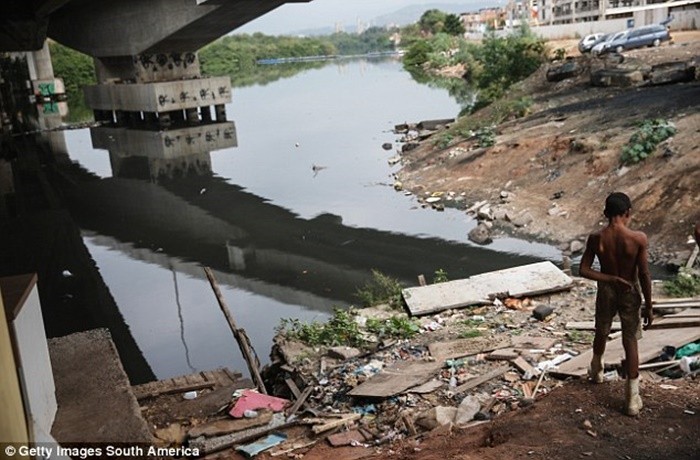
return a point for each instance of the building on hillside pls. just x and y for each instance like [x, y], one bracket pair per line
[575, 11]
[483, 20]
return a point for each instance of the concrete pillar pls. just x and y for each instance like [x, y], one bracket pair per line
[205, 113]
[39, 64]
[220, 112]
[192, 115]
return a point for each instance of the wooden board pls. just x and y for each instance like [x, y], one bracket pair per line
[525, 280]
[465, 347]
[199, 380]
[666, 306]
[650, 347]
[397, 378]
[590, 325]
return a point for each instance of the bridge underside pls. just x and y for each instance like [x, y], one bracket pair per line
[110, 28]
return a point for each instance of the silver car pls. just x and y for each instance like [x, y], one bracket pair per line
[633, 38]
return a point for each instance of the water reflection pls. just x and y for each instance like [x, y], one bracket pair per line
[282, 243]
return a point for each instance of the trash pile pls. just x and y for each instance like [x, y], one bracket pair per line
[463, 368]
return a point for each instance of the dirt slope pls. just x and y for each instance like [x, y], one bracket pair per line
[569, 146]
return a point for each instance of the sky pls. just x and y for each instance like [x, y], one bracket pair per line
[293, 17]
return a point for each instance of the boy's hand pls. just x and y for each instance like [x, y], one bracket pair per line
[648, 317]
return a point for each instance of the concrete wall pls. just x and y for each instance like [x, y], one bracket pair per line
[13, 425]
[27, 329]
[580, 29]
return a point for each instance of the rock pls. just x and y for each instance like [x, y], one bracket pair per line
[576, 246]
[521, 219]
[409, 146]
[467, 410]
[541, 312]
[672, 72]
[561, 72]
[553, 211]
[617, 77]
[480, 234]
[387, 146]
[398, 186]
[437, 416]
[343, 352]
[484, 213]
[500, 214]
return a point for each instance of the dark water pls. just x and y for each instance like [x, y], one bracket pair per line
[285, 239]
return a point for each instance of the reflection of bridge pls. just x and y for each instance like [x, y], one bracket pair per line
[197, 217]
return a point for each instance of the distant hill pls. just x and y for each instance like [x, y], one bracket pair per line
[411, 14]
[406, 15]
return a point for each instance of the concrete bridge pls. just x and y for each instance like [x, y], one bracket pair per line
[117, 28]
[145, 53]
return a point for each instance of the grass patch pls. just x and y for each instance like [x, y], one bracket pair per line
[340, 329]
[399, 327]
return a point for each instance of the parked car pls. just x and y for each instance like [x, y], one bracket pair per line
[604, 45]
[634, 38]
[589, 41]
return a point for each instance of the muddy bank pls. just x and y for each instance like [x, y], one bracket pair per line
[547, 173]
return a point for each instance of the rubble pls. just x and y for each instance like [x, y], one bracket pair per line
[392, 389]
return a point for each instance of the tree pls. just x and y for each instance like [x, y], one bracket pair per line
[453, 25]
[432, 21]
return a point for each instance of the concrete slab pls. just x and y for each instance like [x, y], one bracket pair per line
[525, 280]
[95, 401]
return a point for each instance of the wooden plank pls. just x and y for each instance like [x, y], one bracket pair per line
[505, 354]
[533, 342]
[220, 427]
[687, 313]
[397, 378]
[251, 358]
[300, 401]
[666, 306]
[675, 300]
[693, 256]
[650, 347]
[475, 382]
[182, 384]
[672, 323]
[526, 280]
[465, 347]
[525, 367]
[335, 423]
[590, 325]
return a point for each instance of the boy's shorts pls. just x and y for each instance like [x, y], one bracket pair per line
[612, 300]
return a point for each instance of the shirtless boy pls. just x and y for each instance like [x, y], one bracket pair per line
[622, 254]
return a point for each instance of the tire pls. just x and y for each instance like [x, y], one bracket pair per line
[656, 42]
[619, 49]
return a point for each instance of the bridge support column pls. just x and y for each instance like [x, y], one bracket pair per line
[157, 114]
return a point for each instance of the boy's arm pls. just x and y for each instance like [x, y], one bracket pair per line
[645, 279]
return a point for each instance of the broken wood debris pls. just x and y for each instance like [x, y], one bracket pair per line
[251, 358]
[481, 379]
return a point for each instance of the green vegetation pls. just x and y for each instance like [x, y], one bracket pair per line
[238, 55]
[684, 284]
[435, 21]
[580, 336]
[491, 67]
[77, 70]
[381, 289]
[400, 327]
[644, 141]
[440, 276]
[343, 329]
[340, 329]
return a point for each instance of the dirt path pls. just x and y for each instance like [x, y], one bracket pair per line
[560, 161]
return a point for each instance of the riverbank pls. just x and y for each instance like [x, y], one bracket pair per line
[554, 166]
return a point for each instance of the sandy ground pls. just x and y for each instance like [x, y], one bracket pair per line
[561, 160]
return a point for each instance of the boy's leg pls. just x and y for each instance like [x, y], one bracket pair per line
[604, 313]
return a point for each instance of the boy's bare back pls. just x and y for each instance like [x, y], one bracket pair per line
[620, 251]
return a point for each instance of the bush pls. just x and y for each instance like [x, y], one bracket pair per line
[340, 329]
[644, 141]
[399, 327]
[382, 289]
[684, 284]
